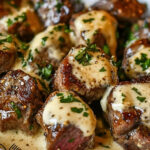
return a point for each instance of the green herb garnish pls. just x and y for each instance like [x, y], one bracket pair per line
[141, 99]
[9, 22]
[16, 109]
[61, 39]
[85, 114]
[102, 69]
[88, 20]
[144, 62]
[76, 110]
[24, 46]
[46, 72]
[71, 140]
[106, 49]
[30, 57]
[136, 90]
[68, 99]
[124, 96]
[59, 6]
[44, 39]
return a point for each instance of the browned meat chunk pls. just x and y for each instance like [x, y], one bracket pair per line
[7, 52]
[53, 11]
[19, 101]
[130, 10]
[26, 25]
[96, 26]
[86, 71]
[136, 55]
[128, 114]
[68, 122]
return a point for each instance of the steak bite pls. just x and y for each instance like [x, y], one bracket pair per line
[86, 71]
[25, 24]
[124, 10]
[53, 11]
[7, 52]
[97, 26]
[68, 122]
[128, 114]
[20, 100]
[137, 54]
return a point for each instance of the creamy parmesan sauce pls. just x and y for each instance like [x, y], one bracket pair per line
[104, 100]
[101, 21]
[126, 96]
[135, 68]
[91, 74]
[56, 112]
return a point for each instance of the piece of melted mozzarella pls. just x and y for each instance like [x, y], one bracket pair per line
[133, 68]
[135, 95]
[99, 73]
[90, 23]
[47, 47]
[67, 108]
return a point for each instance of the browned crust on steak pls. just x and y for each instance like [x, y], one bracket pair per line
[59, 135]
[19, 89]
[130, 10]
[65, 80]
[126, 127]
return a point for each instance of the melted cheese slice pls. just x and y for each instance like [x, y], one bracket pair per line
[129, 95]
[102, 21]
[91, 75]
[133, 68]
[56, 112]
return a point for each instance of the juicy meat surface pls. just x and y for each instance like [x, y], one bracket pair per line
[127, 114]
[64, 135]
[20, 100]
[130, 10]
[88, 80]
[54, 11]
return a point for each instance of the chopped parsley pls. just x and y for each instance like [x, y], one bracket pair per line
[68, 99]
[102, 69]
[71, 140]
[30, 57]
[141, 99]
[59, 6]
[136, 27]
[144, 62]
[124, 96]
[12, 3]
[46, 72]
[31, 127]
[130, 38]
[76, 110]
[16, 109]
[7, 39]
[9, 22]
[24, 46]
[83, 57]
[61, 39]
[88, 20]
[44, 39]
[38, 5]
[20, 55]
[58, 28]
[136, 90]
[103, 18]
[85, 114]
[106, 49]
[19, 18]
